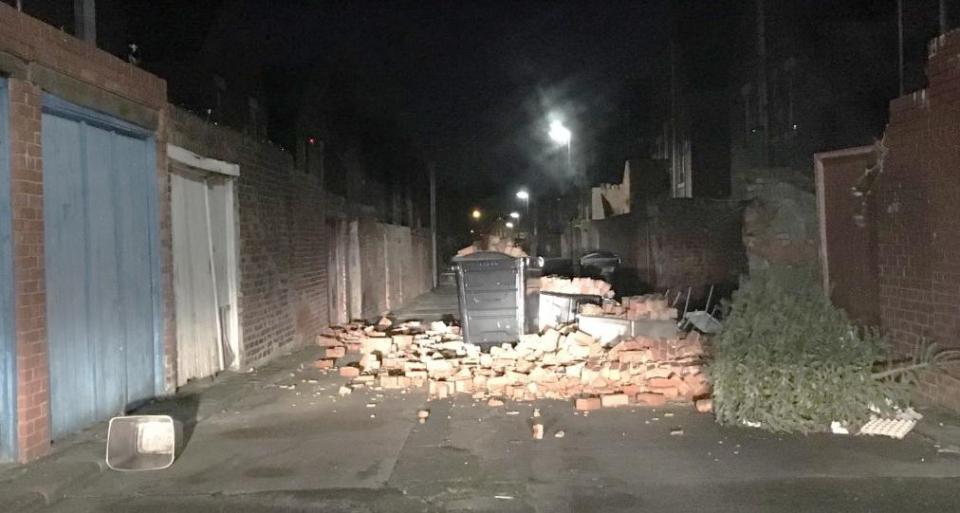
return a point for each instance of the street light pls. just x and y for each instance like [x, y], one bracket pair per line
[523, 194]
[514, 215]
[559, 133]
[508, 224]
[476, 214]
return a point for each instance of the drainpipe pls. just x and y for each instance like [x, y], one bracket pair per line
[900, 43]
[85, 16]
[943, 17]
[433, 221]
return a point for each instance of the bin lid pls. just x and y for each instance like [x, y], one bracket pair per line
[600, 256]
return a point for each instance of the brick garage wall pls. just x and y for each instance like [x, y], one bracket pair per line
[283, 266]
[396, 265]
[39, 58]
[372, 268]
[421, 279]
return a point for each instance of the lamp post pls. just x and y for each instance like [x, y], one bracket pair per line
[562, 135]
[524, 196]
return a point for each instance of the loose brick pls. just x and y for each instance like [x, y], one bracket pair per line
[614, 400]
[651, 399]
[664, 382]
[335, 352]
[588, 403]
[704, 405]
[323, 364]
[349, 371]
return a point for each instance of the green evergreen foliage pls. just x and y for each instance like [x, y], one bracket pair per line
[793, 362]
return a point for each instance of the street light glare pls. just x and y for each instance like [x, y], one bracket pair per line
[523, 194]
[559, 133]
[476, 214]
[514, 215]
[509, 225]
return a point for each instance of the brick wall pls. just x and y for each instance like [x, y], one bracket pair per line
[283, 296]
[915, 214]
[676, 244]
[697, 243]
[33, 41]
[33, 391]
[918, 229]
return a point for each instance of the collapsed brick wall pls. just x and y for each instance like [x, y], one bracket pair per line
[283, 279]
[913, 212]
[918, 230]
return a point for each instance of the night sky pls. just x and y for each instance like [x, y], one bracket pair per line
[472, 84]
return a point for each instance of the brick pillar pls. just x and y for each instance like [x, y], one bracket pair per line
[33, 379]
[166, 258]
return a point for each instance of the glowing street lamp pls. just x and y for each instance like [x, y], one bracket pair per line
[559, 133]
[514, 215]
[508, 224]
[476, 214]
[523, 194]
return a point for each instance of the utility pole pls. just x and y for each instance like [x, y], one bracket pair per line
[672, 142]
[762, 85]
[85, 18]
[433, 220]
[900, 44]
[943, 17]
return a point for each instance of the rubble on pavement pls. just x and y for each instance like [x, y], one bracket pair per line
[563, 363]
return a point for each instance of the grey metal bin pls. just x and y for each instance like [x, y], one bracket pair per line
[490, 289]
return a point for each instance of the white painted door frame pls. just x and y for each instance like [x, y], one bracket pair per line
[232, 322]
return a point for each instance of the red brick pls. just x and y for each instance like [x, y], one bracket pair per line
[324, 364]
[651, 399]
[335, 352]
[349, 372]
[664, 382]
[588, 403]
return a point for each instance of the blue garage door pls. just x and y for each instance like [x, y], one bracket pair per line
[101, 268]
[8, 347]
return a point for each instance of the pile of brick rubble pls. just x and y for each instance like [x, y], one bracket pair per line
[646, 307]
[562, 363]
[579, 286]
